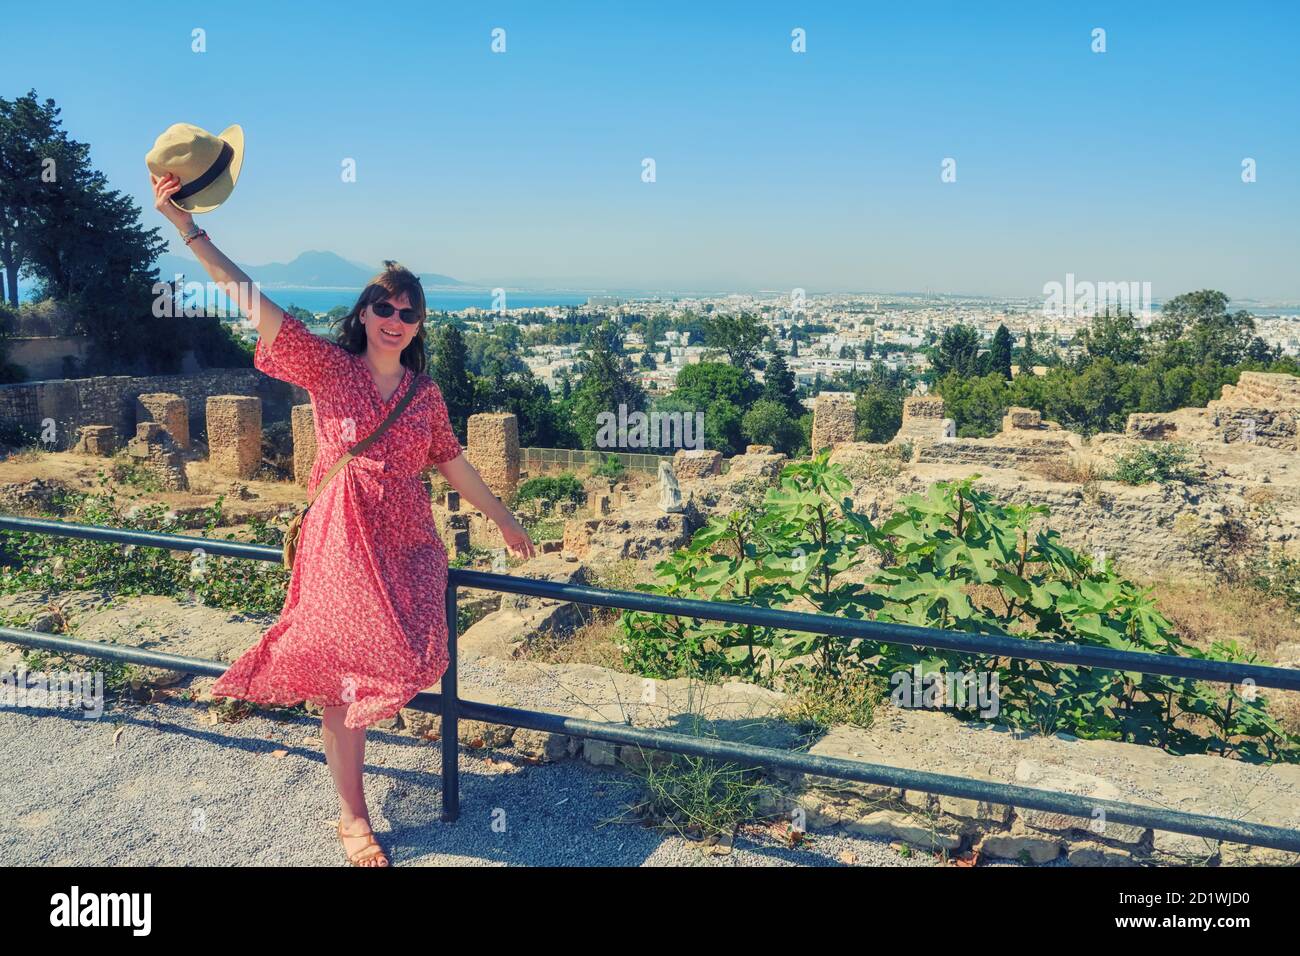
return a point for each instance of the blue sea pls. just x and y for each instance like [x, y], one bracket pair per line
[438, 300]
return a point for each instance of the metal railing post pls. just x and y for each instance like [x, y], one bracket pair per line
[450, 706]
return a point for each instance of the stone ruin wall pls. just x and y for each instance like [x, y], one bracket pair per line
[1153, 528]
[1263, 408]
[112, 400]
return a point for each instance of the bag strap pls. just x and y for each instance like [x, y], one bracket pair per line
[365, 443]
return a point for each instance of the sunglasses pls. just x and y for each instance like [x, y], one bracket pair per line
[385, 309]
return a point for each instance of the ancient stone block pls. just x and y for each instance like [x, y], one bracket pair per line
[1271, 428]
[1011, 846]
[992, 452]
[577, 534]
[168, 410]
[922, 407]
[1275, 390]
[689, 464]
[1017, 418]
[153, 448]
[493, 450]
[1149, 427]
[923, 420]
[835, 419]
[97, 440]
[235, 434]
[899, 826]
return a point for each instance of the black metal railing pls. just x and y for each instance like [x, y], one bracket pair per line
[452, 708]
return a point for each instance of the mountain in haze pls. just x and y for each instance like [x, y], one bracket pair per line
[310, 270]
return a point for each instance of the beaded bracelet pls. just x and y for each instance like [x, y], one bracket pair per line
[201, 232]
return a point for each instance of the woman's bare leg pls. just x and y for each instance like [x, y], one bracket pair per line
[345, 752]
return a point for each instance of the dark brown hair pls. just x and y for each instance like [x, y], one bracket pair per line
[389, 284]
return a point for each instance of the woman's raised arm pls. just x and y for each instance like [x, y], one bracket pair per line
[263, 314]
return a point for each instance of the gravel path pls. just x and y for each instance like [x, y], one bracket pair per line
[158, 784]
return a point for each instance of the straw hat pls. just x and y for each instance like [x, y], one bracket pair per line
[206, 165]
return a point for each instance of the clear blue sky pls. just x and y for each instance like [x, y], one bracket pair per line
[774, 169]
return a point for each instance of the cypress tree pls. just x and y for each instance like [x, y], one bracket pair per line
[447, 367]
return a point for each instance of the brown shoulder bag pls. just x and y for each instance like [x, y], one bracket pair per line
[291, 533]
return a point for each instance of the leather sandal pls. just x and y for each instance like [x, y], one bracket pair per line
[366, 852]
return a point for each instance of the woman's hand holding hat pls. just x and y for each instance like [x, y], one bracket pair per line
[163, 188]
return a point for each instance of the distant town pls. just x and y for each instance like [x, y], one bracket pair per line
[837, 333]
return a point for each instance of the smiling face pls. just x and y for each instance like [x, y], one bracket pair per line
[383, 334]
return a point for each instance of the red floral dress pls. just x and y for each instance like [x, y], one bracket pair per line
[364, 622]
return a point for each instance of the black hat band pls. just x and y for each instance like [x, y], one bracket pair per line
[219, 166]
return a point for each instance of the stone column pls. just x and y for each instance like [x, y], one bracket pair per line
[835, 419]
[493, 450]
[235, 434]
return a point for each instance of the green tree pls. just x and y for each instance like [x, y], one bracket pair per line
[722, 427]
[739, 337]
[81, 241]
[29, 135]
[770, 423]
[448, 367]
[1000, 352]
[1117, 337]
[1209, 332]
[607, 382]
[957, 351]
[1027, 356]
[879, 413]
[703, 383]
[541, 424]
[778, 384]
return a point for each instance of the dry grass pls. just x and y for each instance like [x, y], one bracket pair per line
[26, 456]
[1204, 613]
[592, 643]
[1074, 469]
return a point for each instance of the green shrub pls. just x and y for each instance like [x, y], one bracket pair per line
[563, 487]
[1160, 462]
[955, 559]
[611, 467]
[1278, 576]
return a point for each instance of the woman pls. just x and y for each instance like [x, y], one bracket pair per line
[363, 627]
